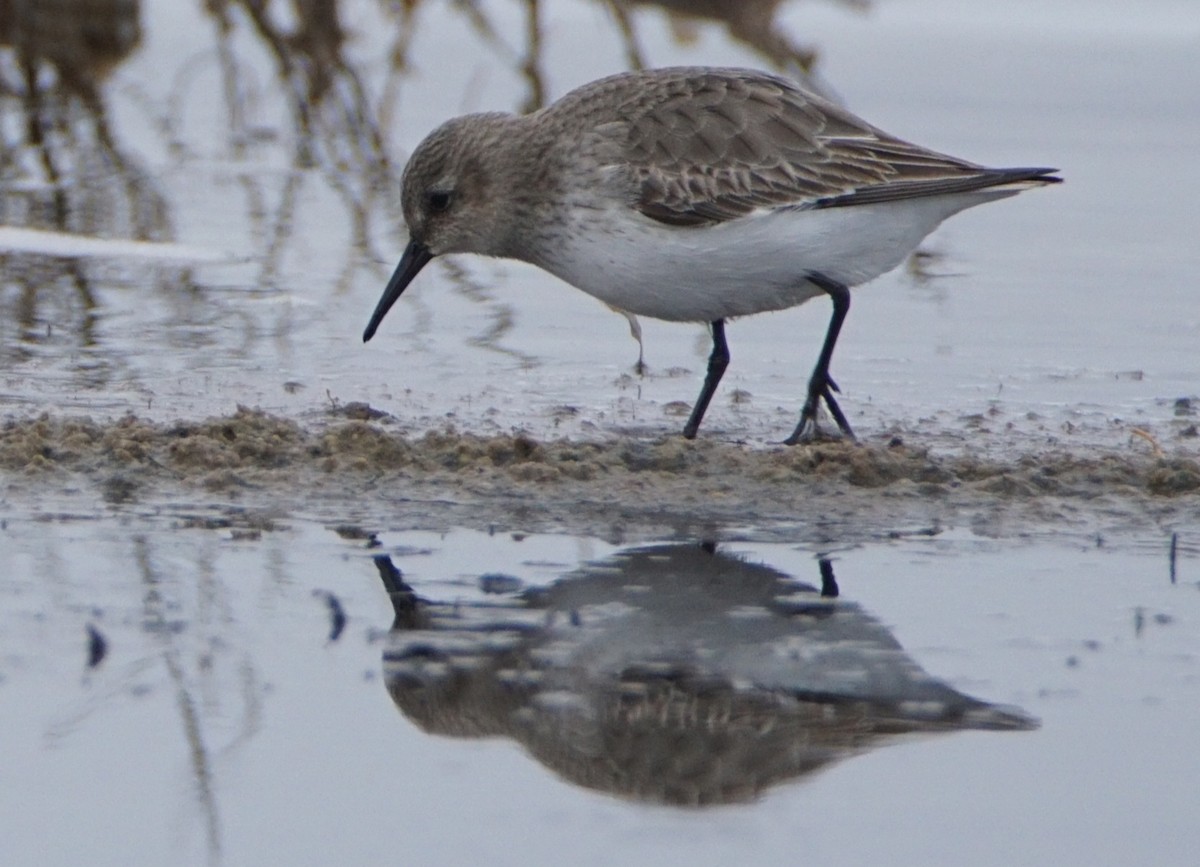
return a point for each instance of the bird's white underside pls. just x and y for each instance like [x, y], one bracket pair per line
[749, 265]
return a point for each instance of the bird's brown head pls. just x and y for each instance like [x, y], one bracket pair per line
[450, 197]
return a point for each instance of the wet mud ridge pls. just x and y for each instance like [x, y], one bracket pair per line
[357, 466]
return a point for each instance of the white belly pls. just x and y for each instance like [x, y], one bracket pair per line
[744, 266]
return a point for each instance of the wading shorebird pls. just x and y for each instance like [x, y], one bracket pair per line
[690, 194]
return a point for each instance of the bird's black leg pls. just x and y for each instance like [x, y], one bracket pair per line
[821, 386]
[717, 362]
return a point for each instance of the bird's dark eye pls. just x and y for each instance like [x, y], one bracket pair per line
[438, 201]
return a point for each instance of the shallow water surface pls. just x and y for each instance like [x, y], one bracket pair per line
[224, 721]
[266, 223]
[462, 595]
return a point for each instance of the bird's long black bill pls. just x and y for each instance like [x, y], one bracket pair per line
[416, 256]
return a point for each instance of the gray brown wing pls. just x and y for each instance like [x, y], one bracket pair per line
[708, 146]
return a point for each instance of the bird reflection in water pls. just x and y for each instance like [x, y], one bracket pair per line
[673, 674]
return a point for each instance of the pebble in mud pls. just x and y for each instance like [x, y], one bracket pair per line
[500, 583]
[337, 614]
[97, 646]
